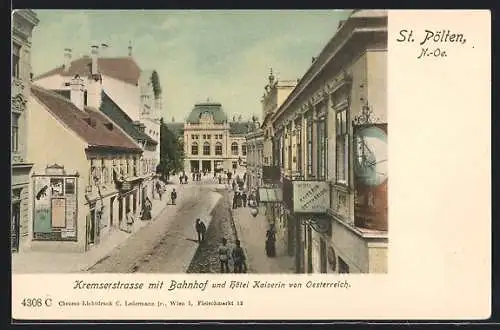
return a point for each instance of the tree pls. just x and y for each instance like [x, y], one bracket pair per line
[171, 151]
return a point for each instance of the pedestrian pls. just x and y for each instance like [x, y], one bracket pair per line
[185, 179]
[194, 175]
[233, 184]
[235, 200]
[239, 258]
[180, 179]
[158, 188]
[220, 179]
[173, 196]
[244, 199]
[223, 252]
[129, 221]
[201, 229]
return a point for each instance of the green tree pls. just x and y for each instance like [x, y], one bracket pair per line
[171, 151]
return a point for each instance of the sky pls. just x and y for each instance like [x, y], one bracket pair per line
[224, 56]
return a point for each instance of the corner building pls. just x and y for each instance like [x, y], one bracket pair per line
[330, 127]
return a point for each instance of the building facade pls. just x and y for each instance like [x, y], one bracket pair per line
[23, 23]
[134, 92]
[255, 152]
[84, 175]
[331, 146]
[213, 143]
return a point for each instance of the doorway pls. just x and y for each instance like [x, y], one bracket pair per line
[16, 221]
[195, 165]
[206, 165]
[111, 207]
[134, 203]
[309, 250]
[91, 228]
[120, 210]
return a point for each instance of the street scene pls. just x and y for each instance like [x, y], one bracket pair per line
[199, 141]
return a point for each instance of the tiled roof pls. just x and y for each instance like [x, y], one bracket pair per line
[176, 128]
[91, 125]
[120, 68]
[120, 118]
[239, 128]
[215, 109]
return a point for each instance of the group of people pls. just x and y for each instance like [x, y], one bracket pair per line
[183, 178]
[236, 254]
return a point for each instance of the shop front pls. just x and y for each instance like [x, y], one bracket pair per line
[311, 227]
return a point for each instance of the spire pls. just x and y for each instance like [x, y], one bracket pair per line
[130, 48]
[271, 77]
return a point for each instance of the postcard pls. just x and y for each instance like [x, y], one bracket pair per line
[250, 164]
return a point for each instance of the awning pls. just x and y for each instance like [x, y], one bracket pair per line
[270, 195]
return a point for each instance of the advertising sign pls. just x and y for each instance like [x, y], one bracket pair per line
[42, 221]
[311, 196]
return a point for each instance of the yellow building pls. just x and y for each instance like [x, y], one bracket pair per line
[23, 22]
[331, 136]
[212, 142]
[85, 173]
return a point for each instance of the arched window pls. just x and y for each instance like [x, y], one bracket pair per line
[194, 148]
[218, 149]
[244, 149]
[206, 149]
[234, 149]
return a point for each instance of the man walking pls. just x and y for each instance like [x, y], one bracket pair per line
[130, 221]
[173, 196]
[239, 258]
[223, 252]
[201, 229]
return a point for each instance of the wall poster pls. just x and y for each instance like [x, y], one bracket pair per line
[55, 206]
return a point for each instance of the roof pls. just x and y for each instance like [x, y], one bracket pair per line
[91, 125]
[239, 128]
[120, 68]
[176, 128]
[215, 109]
[120, 118]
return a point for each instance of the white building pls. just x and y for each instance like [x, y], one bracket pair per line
[212, 142]
[135, 92]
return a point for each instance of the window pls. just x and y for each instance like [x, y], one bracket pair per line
[322, 148]
[135, 166]
[16, 50]
[342, 147]
[206, 149]
[204, 136]
[234, 149]
[194, 148]
[192, 136]
[309, 137]
[15, 132]
[244, 149]
[127, 167]
[282, 150]
[104, 178]
[220, 136]
[218, 149]
[298, 139]
[209, 137]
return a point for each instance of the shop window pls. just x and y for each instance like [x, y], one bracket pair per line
[244, 149]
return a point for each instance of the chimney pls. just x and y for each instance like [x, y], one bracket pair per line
[94, 54]
[77, 92]
[67, 59]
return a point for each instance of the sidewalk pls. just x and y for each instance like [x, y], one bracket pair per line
[64, 262]
[252, 234]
